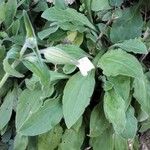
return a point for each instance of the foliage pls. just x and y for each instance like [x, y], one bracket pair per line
[74, 75]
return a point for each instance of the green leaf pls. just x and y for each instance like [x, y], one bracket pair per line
[78, 87]
[29, 28]
[40, 70]
[60, 4]
[12, 54]
[45, 33]
[51, 139]
[87, 4]
[57, 76]
[15, 27]
[69, 15]
[44, 119]
[121, 85]
[131, 125]
[105, 141]
[20, 142]
[68, 69]
[72, 140]
[120, 143]
[28, 103]
[73, 50]
[2, 52]
[41, 6]
[98, 122]
[118, 62]
[145, 125]
[2, 11]
[129, 26]
[10, 70]
[6, 108]
[141, 93]
[114, 108]
[116, 2]
[98, 5]
[133, 45]
[10, 12]
[72, 26]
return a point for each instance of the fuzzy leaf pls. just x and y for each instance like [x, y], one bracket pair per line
[51, 139]
[69, 15]
[44, 119]
[6, 109]
[76, 98]
[133, 45]
[118, 62]
[72, 140]
[114, 108]
[105, 141]
[98, 122]
[129, 26]
[97, 5]
[131, 125]
[141, 93]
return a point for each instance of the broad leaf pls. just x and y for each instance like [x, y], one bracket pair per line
[2, 11]
[120, 143]
[104, 141]
[51, 139]
[76, 98]
[118, 62]
[73, 50]
[131, 125]
[115, 2]
[129, 26]
[10, 12]
[44, 119]
[12, 54]
[121, 85]
[114, 108]
[141, 93]
[145, 125]
[28, 103]
[10, 69]
[69, 15]
[97, 5]
[133, 45]
[6, 108]
[98, 122]
[39, 69]
[45, 33]
[20, 142]
[72, 140]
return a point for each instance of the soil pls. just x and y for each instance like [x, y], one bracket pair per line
[145, 140]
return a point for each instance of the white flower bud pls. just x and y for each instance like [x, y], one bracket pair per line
[85, 66]
[58, 56]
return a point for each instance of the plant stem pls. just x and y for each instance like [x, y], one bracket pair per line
[4, 79]
[13, 65]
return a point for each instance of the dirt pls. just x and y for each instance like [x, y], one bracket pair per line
[145, 140]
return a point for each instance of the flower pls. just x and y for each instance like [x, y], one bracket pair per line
[85, 66]
[58, 56]
[66, 1]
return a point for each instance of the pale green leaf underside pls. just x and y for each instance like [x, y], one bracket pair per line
[133, 45]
